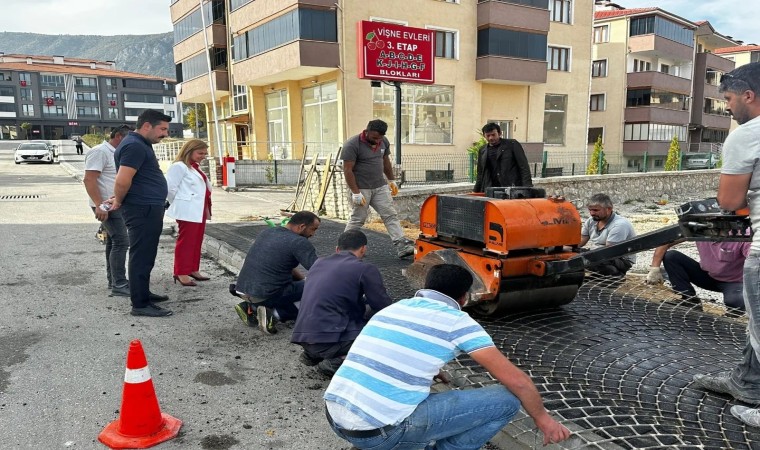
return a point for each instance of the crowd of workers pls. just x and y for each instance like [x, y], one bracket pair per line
[383, 356]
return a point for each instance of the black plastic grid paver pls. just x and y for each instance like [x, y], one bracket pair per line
[615, 367]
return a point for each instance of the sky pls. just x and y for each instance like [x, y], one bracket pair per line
[728, 17]
[98, 17]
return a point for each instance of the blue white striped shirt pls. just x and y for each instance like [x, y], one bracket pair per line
[391, 365]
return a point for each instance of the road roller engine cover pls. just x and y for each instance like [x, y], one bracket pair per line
[522, 248]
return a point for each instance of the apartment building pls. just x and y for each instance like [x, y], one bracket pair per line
[60, 96]
[283, 73]
[655, 75]
[740, 54]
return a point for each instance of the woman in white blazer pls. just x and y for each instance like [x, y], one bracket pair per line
[190, 204]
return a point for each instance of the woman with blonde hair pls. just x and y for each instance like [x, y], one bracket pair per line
[190, 204]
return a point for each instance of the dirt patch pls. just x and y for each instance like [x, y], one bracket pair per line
[411, 230]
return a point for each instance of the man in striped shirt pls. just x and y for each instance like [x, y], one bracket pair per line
[380, 397]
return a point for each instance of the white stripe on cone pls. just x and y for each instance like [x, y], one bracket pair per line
[136, 376]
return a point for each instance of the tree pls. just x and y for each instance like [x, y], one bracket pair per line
[193, 114]
[472, 150]
[26, 126]
[593, 165]
[674, 155]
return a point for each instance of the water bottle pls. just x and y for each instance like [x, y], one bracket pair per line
[105, 206]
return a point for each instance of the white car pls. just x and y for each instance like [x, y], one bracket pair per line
[33, 152]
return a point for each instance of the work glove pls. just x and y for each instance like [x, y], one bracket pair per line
[654, 276]
[394, 188]
[358, 199]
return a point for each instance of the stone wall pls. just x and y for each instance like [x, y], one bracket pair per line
[620, 187]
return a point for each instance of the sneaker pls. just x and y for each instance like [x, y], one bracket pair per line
[328, 367]
[151, 310]
[405, 249]
[246, 314]
[157, 297]
[120, 291]
[721, 383]
[749, 416]
[266, 319]
[308, 360]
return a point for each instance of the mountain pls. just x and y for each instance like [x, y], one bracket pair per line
[149, 54]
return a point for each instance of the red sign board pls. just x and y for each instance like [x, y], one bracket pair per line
[395, 52]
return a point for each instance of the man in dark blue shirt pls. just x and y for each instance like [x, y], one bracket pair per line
[140, 192]
[339, 290]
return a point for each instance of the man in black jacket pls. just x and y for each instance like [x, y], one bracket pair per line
[501, 162]
[334, 304]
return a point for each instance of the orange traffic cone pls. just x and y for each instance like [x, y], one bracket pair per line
[141, 424]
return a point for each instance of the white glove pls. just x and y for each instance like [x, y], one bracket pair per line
[654, 276]
[394, 188]
[358, 199]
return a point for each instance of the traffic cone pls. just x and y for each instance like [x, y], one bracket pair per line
[141, 424]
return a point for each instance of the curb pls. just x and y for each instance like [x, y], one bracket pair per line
[223, 253]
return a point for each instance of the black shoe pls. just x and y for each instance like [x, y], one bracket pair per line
[308, 360]
[246, 314]
[328, 367]
[157, 297]
[266, 319]
[120, 292]
[151, 310]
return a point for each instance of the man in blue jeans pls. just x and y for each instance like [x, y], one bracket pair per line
[140, 193]
[269, 280]
[380, 396]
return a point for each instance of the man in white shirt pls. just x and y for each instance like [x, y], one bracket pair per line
[99, 176]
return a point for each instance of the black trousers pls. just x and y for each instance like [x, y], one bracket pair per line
[144, 225]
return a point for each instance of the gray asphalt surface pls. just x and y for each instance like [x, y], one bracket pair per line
[63, 340]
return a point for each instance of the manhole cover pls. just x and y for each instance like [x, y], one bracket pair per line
[20, 197]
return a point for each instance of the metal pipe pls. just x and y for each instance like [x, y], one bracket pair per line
[211, 88]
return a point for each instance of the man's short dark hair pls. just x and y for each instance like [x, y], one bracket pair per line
[352, 240]
[121, 131]
[602, 200]
[152, 117]
[490, 126]
[377, 125]
[303, 218]
[743, 78]
[449, 279]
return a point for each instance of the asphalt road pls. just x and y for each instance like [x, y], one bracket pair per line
[63, 340]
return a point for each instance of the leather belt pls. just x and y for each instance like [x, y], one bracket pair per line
[359, 433]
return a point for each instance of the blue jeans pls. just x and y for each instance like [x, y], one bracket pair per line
[284, 302]
[117, 244]
[747, 374]
[452, 420]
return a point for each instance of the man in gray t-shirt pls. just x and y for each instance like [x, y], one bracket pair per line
[366, 165]
[739, 187]
[606, 227]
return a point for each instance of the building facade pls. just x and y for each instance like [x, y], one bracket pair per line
[283, 74]
[655, 75]
[59, 97]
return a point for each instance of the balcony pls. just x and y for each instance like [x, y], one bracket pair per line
[658, 80]
[652, 148]
[655, 114]
[217, 37]
[715, 62]
[197, 89]
[261, 10]
[711, 120]
[505, 70]
[657, 46]
[293, 61]
[512, 15]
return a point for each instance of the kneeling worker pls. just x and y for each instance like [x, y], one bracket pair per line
[380, 396]
[334, 304]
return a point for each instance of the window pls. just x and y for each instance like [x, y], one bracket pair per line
[113, 113]
[240, 98]
[112, 96]
[27, 110]
[594, 134]
[235, 4]
[171, 114]
[25, 77]
[601, 34]
[7, 91]
[55, 110]
[658, 98]
[55, 95]
[320, 117]
[426, 112]
[653, 132]
[597, 102]
[194, 67]
[714, 135]
[712, 77]
[51, 80]
[664, 68]
[218, 58]
[82, 81]
[87, 96]
[510, 43]
[169, 100]
[754, 57]
[143, 98]
[714, 106]
[5, 76]
[192, 23]
[662, 27]
[642, 25]
[559, 10]
[558, 58]
[278, 114]
[111, 83]
[599, 68]
[133, 111]
[26, 94]
[640, 65]
[89, 111]
[505, 125]
[8, 107]
[446, 44]
[554, 119]
[144, 84]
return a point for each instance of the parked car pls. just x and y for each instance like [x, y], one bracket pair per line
[33, 152]
[702, 161]
[52, 147]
